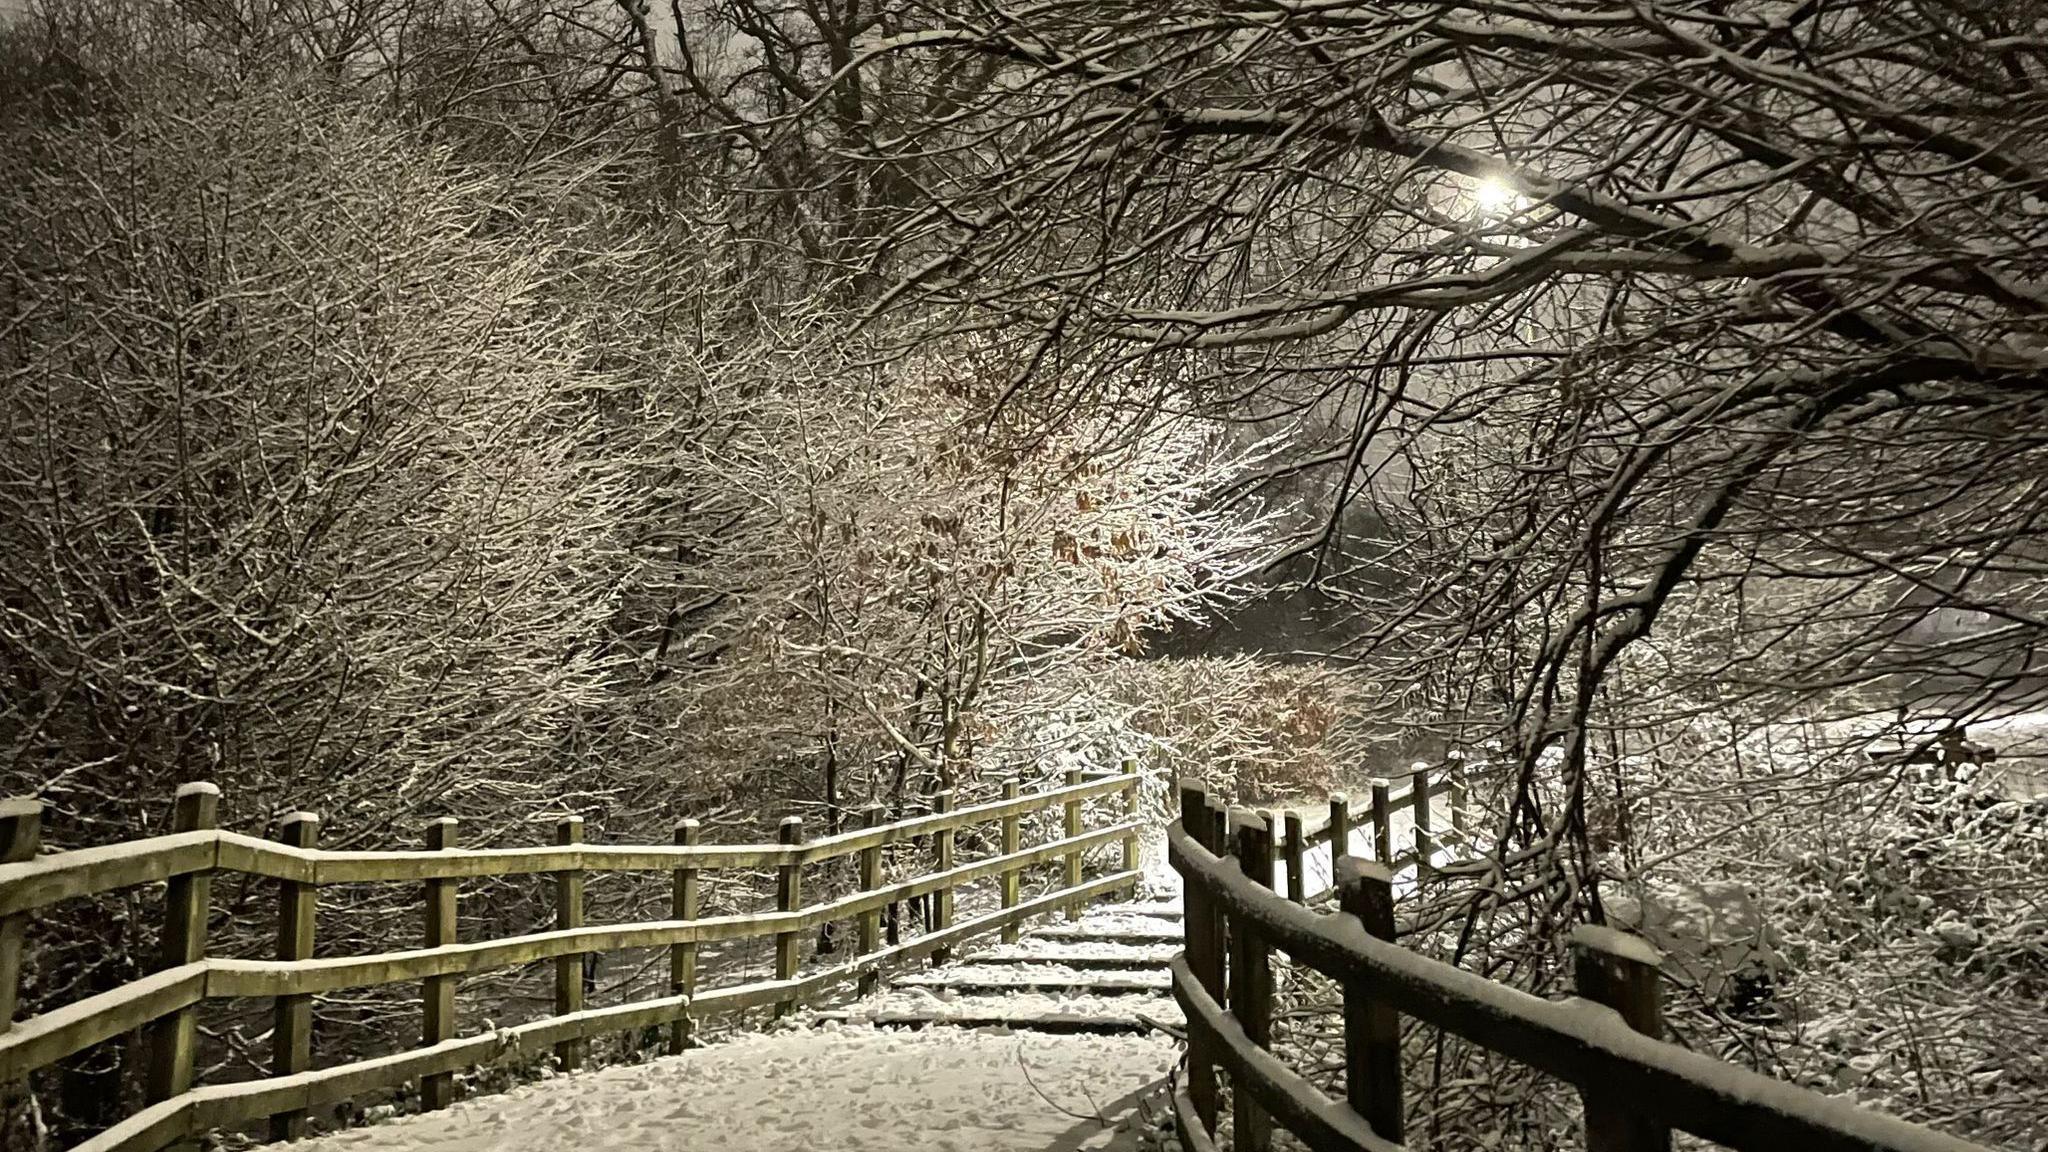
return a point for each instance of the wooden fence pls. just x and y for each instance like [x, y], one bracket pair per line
[1635, 1088]
[164, 1005]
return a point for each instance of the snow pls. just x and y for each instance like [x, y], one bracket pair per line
[851, 1089]
[1034, 975]
[1708, 929]
[1120, 926]
[903, 1004]
[1079, 952]
[1154, 909]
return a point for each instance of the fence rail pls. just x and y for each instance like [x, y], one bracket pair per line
[163, 1005]
[1606, 1041]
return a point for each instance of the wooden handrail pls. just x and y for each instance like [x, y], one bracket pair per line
[41, 1040]
[221, 1105]
[1316, 829]
[1578, 1041]
[174, 993]
[46, 880]
[1286, 1095]
[848, 843]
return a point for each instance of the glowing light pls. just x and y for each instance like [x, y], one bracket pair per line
[1493, 196]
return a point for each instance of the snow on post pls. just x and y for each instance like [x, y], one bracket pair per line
[437, 993]
[1073, 857]
[569, 969]
[1372, 1026]
[1419, 788]
[1251, 979]
[1383, 821]
[291, 1034]
[942, 900]
[682, 958]
[172, 1039]
[868, 933]
[1340, 827]
[1296, 846]
[1130, 768]
[1012, 841]
[1204, 948]
[1620, 971]
[789, 881]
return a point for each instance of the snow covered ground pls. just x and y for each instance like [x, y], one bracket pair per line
[846, 1089]
[1042, 974]
[1038, 1007]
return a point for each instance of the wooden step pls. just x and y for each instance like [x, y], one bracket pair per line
[1113, 933]
[1013, 1022]
[1012, 1009]
[1038, 978]
[1155, 909]
[1021, 1010]
[1082, 954]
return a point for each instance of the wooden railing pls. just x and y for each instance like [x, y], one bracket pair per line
[164, 1004]
[1412, 796]
[1606, 1042]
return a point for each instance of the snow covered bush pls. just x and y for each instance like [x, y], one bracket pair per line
[1255, 730]
[1915, 957]
[896, 599]
[301, 492]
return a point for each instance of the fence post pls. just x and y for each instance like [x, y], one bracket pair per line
[1418, 800]
[1012, 843]
[569, 968]
[1455, 825]
[1340, 830]
[942, 900]
[21, 837]
[1203, 950]
[1073, 858]
[868, 936]
[1251, 982]
[682, 958]
[1372, 1028]
[172, 1040]
[1220, 841]
[1620, 971]
[1131, 817]
[437, 993]
[789, 896]
[1382, 822]
[291, 1034]
[1296, 847]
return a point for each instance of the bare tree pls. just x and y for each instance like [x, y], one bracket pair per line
[1607, 314]
[1673, 374]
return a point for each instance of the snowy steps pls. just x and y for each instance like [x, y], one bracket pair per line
[1040, 977]
[1149, 923]
[1089, 954]
[1014, 1011]
[1110, 936]
[840, 1089]
[1104, 973]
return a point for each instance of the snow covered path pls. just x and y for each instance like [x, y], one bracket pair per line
[847, 1089]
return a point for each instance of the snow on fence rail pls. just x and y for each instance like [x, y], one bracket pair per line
[1606, 1041]
[164, 1004]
